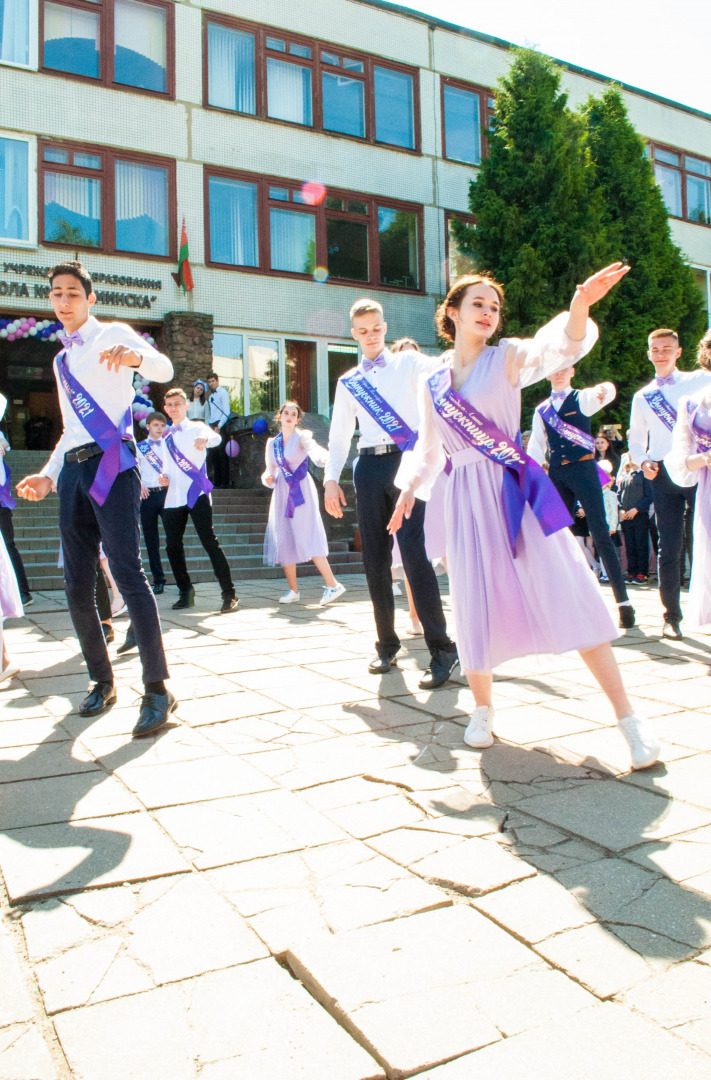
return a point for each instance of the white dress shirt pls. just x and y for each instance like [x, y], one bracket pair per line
[218, 406]
[111, 390]
[197, 410]
[185, 435]
[589, 404]
[149, 477]
[397, 382]
[649, 439]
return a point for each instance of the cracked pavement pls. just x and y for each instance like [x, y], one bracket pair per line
[309, 875]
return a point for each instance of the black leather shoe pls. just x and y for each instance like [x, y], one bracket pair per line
[186, 599]
[155, 711]
[626, 616]
[100, 698]
[381, 665]
[129, 642]
[442, 664]
[672, 630]
[229, 603]
[159, 589]
[108, 632]
[26, 599]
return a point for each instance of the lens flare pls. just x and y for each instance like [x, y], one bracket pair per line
[313, 193]
[321, 275]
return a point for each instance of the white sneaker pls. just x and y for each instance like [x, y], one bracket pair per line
[289, 597]
[397, 591]
[9, 671]
[478, 734]
[332, 593]
[643, 743]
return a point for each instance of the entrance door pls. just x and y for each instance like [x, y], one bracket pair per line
[301, 374]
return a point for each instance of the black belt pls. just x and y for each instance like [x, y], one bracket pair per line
[384, 448]
[585, 457]
[90, 450]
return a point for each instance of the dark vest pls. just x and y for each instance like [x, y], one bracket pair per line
[562, 450]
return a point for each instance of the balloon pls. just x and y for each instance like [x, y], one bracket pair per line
[24, 326]
[259, 426]
[32, 331]
[10, 337]
[142, 423]
[232, 448]
[32, 321]
[3, 333]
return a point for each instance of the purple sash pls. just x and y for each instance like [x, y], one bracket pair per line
[200, 485]
[151, 456]
[568, 431]
[661, 408]
[293, 479]
[117, 456]
[377, 407]
[6, 498]
[524, 480]
[703, 438]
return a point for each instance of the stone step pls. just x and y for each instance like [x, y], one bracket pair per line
[202, 573]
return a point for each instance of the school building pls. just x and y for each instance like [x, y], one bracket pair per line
[316, 151]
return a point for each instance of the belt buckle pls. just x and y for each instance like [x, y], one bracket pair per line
[84, 454]
[382, 448]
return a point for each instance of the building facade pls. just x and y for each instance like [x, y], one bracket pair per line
[316, 153]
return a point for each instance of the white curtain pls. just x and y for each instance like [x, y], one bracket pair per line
[141, 28]
[14, 224]
[15, 31]
[230, 69]
[64, 22]
[293, 241]
[288, 91]
[72, 209]
[233, 222]
[141, 208]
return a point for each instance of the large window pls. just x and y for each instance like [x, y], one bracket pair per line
[92, 197]
[16, 198]
[272, 74]
[282, 227]
[466, 115]
[685, 182]
[17, 43]
[127, 43]
[458, 263]
[702, 277]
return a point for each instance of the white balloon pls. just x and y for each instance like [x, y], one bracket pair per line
[3, 333]
[52, 337]
[32, 331]
[143, 424]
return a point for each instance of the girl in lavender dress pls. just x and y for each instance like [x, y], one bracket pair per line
[689, 463]
[10, 608]
[295, 532]
[515, 588]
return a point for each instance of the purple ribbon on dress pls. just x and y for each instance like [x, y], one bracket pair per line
[6, 498]
[150, 455]
[568, 431]
[661, 408]
[292, 477]
[703, 438]
[524, 480]
[200, 485]
[117, 457]
[377, 407]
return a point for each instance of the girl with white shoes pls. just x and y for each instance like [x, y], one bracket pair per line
[519, 582]
[295, 532]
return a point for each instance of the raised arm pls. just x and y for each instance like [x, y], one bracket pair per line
[318, 454]
[683, 462]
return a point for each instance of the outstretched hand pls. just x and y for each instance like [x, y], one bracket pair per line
[34, 488]
[599, 284]
[403, 509]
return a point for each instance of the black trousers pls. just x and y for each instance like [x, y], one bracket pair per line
[8, 535]
[151, 511]
[636, 534]
[670, 503]
[220, 464]
[103, 600]
[175, 521]
[373, 477]
[82, 525]
[580, 481]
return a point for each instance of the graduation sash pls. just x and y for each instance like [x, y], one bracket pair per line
[377, 407]
[568, 431]
[703, 438]
[661, 408]
[199, 483]
[150, 455]
[6, 498]
[293, 478]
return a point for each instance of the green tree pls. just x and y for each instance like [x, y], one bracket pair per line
[660, 289]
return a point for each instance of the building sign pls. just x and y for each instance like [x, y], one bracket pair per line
[108, 298]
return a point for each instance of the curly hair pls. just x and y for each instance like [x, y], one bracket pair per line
[444, 324]
[703, 353]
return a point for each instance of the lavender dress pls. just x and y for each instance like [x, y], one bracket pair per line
[301, 537]
[684, 443]
[435, 540]
[10, 603]
[546, 600]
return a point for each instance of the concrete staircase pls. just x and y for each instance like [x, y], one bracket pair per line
[240, 521]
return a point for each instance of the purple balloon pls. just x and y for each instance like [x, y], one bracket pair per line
[10, 337]
[32, 321]
[232, 448]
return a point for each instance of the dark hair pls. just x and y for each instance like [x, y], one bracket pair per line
[213, 375]
[76, 270]
[445, 326]
[299, 410]
[156, 416]
[201, 384]
[405, 344]
[703, 354]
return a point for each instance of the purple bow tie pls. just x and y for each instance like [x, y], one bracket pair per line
[559, 395]
[664, 380]
[68, 340]
[369, 364]
[154, 442]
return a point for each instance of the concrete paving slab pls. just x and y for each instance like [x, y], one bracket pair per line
[534, 910]
[596, 959]
[473, 867]
[15, 1002]
[24, 1055]
[54, 758]
[177, 782]
[91, 793]
[30, 731]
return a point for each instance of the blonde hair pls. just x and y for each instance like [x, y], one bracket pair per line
[177, 391]
[703, 353]
[662, 333]
[404, 344]
[365, 306]
[444, 324]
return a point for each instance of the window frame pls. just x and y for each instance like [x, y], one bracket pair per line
[262, 31]
[466, 219]
[319, 211]
[105, 10]
[683, 172]
[33, 41]
[109, 155]
[32, 188]
[485, 114]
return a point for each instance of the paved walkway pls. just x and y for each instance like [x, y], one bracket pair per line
[308, 875]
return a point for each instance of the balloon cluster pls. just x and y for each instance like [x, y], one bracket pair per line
[16, 329]
[142, 406]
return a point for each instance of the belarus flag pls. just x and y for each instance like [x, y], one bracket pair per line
[184, 275]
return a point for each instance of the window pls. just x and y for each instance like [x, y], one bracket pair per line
[17, 46]
[458, 263]
[702, 277]
[228, 363]
[685, 182]
[262, 72]
[127, 43]
[97, 198]
[263, 368]
[16, 196]
[301, 373]
[340, 359]
[284, 227]
[466, 114]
